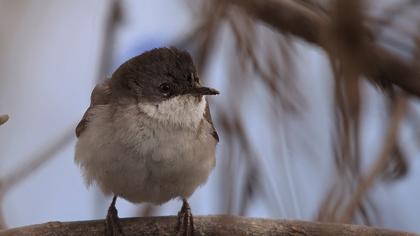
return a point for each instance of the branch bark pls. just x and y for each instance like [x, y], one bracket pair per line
[204, 225]
[312, 25]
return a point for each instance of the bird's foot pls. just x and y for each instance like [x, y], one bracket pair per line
[185, 225]
[113, 226]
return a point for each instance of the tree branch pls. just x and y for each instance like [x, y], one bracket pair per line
[33, 164]
[312, 26]
[380, 164]
[204, 225]
[3, 119]
[25, 170]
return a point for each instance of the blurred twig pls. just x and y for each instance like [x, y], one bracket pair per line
[383, 158]
[26, 169]
[346, 42]
[3, 119]
[113, 19]
[35, 162]
[310, 24]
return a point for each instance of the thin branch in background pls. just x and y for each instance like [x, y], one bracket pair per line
[3, 119]
[378, 63]
[242, 154]
[37, 161]
[347, 43]
[226, 192]
[112, 20]
[390, 15]
[346, 40]
[2, 220]
[390, 21]
[327, 210]
[290, 176]
[269, 57]
[413, 114]
[313, 4]
[378, 167]
[204, 40]
[252, 173]
[34, 163]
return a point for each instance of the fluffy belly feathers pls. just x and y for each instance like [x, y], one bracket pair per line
[144, 162]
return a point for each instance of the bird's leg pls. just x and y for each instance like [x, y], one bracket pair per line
[185, 225]
[113, 226]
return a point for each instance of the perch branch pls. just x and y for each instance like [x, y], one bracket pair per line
[204, 225]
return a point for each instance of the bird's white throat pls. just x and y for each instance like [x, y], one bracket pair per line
[183, 110]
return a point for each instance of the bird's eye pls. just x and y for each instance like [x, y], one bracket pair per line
[165, 88]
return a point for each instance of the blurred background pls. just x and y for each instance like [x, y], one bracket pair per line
[307, 130]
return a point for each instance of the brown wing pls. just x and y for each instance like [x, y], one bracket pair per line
[101, 95]
[207, 115]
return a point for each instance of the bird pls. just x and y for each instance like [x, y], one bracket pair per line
[148, 135]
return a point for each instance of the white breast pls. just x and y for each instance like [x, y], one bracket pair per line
[183, 110]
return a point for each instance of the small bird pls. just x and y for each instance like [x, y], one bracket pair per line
[148, 135]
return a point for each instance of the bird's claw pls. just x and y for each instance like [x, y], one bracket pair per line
[113, 226]
[185, 224]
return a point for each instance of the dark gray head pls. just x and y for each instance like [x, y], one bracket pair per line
[158, 75]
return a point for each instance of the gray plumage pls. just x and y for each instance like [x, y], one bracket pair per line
[148, 135]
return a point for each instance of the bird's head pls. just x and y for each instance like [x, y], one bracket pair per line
[165, 85]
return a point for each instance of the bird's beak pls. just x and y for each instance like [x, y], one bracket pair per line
[197, 91]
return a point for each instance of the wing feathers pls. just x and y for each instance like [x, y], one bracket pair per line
[207, 116]
[101, 95]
